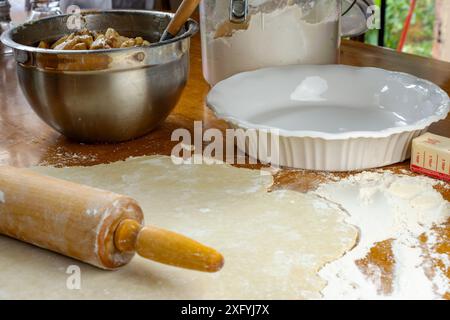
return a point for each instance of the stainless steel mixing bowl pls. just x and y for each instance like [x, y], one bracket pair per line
[103, 95]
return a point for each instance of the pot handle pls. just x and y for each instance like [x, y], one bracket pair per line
[362, 5]
[350, 7]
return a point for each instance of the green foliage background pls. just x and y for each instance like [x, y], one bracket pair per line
[420, 35]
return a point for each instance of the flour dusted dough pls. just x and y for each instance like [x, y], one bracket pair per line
[273, 242]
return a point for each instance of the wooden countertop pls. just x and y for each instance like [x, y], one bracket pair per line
[26, 140]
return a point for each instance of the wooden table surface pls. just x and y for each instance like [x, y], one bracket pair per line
[26, 140]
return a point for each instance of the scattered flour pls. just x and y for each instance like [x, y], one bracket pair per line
[387, 206]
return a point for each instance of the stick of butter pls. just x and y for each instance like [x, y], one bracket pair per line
[430, 155]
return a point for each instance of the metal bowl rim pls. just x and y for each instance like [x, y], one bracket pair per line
[7, 39]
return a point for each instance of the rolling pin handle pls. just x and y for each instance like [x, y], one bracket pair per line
[166, 247]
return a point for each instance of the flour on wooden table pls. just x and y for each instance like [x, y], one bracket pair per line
[387, 206]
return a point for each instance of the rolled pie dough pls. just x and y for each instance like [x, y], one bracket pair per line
[273, 242]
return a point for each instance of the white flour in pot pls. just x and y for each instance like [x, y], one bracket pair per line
[385, 206]
[281, 37]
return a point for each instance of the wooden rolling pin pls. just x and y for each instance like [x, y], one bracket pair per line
[184, 12]
[92, 225]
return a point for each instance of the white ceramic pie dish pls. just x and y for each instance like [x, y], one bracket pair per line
[334, 118]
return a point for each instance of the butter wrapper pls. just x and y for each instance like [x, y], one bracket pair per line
[430, 155]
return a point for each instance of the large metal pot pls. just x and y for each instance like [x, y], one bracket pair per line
[103, 95]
